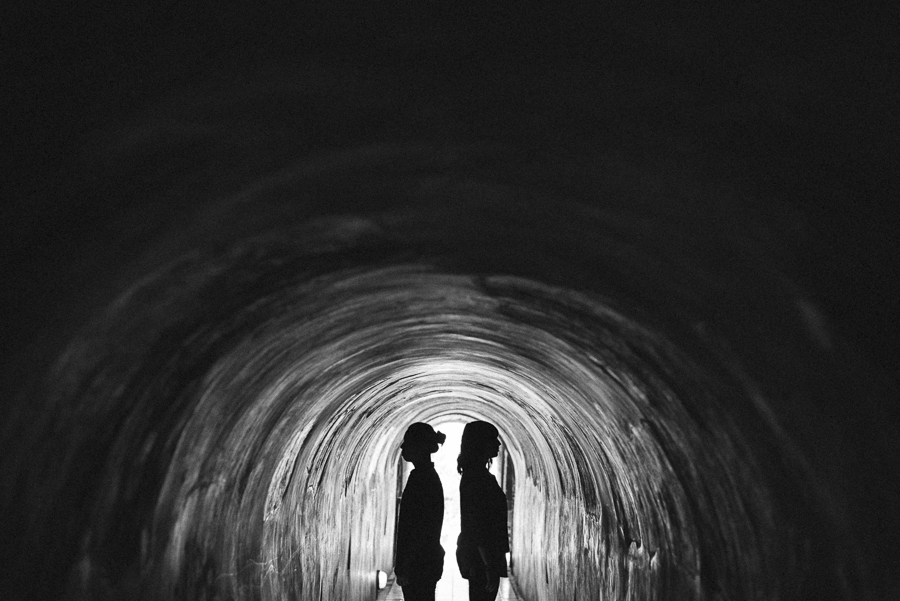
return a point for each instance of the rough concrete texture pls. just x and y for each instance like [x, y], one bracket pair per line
[242, 259]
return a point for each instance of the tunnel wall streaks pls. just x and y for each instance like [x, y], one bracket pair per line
[627, 488]
[720, 176]
[654, 372]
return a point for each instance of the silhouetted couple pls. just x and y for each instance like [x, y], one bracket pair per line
[483, 541]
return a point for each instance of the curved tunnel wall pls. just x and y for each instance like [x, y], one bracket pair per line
[244, 345]
[248, 398]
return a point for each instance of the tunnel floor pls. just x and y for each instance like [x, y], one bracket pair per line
[451, 587]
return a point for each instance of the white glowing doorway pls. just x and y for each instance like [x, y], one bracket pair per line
[451, 586]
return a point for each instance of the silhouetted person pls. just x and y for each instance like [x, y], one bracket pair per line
[420, 557]
[483, 540]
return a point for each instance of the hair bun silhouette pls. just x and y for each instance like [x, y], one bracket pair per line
[422, 434]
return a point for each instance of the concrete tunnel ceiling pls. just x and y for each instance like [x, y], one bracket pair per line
[214, 409]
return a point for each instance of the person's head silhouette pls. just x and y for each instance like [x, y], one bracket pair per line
[419, 442]
[480, 443]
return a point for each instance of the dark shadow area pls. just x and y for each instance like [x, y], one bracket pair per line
[418, 555]
[245, 247]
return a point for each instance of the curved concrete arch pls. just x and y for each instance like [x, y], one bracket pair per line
[249, 278]
[628, 486]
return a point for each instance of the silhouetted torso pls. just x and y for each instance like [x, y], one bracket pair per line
[419, 552]
[483, 517]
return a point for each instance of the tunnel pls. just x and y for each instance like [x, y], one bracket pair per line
[247, 248]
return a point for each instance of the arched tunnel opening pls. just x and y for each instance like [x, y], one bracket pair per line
[261, 276]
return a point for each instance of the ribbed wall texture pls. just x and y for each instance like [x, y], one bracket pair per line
[247, 275]
[232, 422]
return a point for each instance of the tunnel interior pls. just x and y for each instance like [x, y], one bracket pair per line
[241, 286]
[253, 400]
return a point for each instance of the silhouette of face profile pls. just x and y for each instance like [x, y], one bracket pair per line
[493, 447]
[482, 438]
[420, 441]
